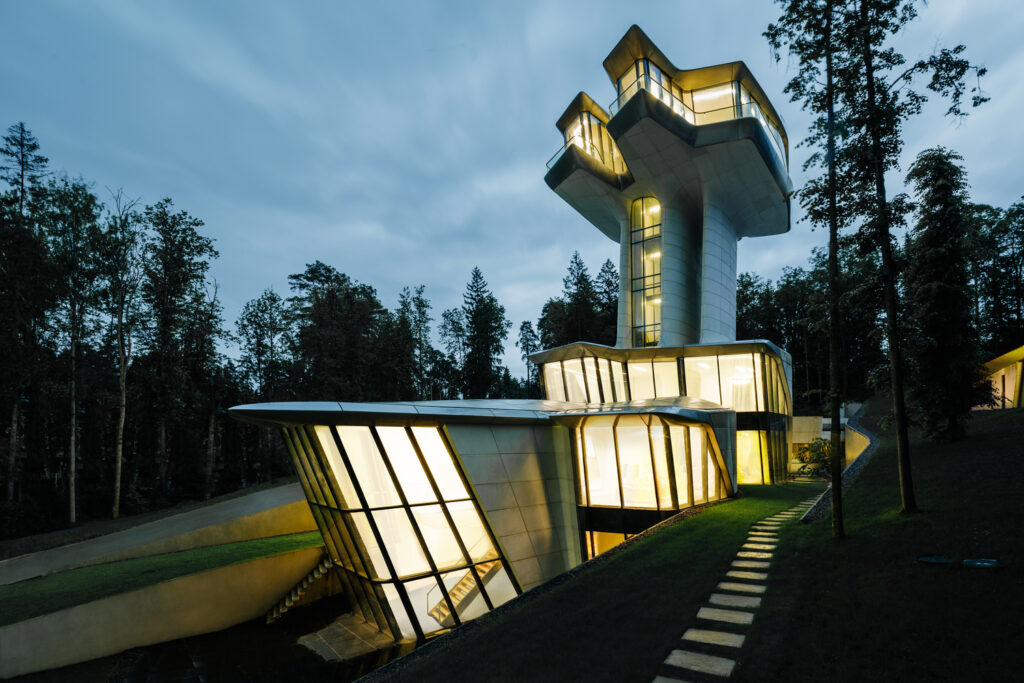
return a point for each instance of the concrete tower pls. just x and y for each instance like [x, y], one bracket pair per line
[683, 165]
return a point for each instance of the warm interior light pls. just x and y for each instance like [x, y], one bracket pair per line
[656, 254]
[656, 301]
[654, 209]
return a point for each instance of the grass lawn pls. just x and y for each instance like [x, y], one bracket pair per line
[865, 609]
[35, 597]
[615, 621]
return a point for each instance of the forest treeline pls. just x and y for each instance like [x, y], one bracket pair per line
[792, 311]
[115, 386]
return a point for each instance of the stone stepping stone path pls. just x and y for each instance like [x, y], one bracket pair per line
[709, 650]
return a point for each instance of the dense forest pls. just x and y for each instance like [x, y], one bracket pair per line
[792, 311]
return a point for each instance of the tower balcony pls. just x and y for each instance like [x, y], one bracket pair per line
[721, 102]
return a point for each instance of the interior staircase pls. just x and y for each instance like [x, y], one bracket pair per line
[465, 590]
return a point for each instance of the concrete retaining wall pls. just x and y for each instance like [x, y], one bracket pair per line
[186, 606]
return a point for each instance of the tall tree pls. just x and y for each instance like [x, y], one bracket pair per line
[607, 290]
[528, 344]
[415, 307]
[943, 349]
[26, 273]
[879, 96]
[809, 29]
[121, 248]
[486, 330]
[177, 260]
[262, 329]
[71, 222]
[21, 165]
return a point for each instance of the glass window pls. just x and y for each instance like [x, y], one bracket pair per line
[338, 471]
[602, 472]
[702, 378]
[440, 540]
[620, 381]
[605, 541]
[462, 586]
[573, 368]
[715, 99]
[666, 379]
[368, 547]
[606, 381]
[421, 593]
[369, 469]
[738, 382]
[680, 464]
[403, 548]
[645, 270]
[697, 462]
[759, 381]
[638, 488]
[440, 462]
[498, 585]
[553, 381]
[581, 473]
[748, 458]
[407, 466]
[471, 529]
[641, 380]
[593, 390]
[661, 466]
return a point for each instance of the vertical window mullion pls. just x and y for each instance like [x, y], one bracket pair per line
[654, 465]
[618, 464]
[670, 463]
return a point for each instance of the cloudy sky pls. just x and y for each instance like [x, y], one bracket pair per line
[405, 142]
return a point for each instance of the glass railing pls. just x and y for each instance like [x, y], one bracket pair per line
[615, 163]
[746, 110]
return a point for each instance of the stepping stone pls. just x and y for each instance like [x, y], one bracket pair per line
[759, 546]
[770, 534]
[744, 601]
[742, 587]
[666, 679]
[762, 537]
[729, 616]
[752, 576]
[754, 555]
[700, 635]
[705, 664]
[751, 564]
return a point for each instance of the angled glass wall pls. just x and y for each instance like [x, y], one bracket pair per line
[636, 470]
[753, 384]
[396, 514]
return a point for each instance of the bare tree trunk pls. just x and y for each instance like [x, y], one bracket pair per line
[835, 390]
[210, 456]
[119, 449]
[12, 454]
[162, 465]
[882, 222]
[72, 464]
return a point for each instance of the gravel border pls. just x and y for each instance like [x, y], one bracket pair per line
[823, 505]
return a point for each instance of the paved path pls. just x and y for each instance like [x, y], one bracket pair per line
[709, 649]
[95, 549]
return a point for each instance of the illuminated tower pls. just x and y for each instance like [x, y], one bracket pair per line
[682, 165]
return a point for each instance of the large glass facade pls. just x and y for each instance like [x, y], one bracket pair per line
[397, 516]
[635, 470]
[752, 383]
[645, 270]
[721, 102]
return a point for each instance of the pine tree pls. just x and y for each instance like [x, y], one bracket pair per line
[529, 343]
[486, 330]
[943, 351]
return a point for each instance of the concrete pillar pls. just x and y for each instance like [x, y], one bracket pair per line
[718, 274]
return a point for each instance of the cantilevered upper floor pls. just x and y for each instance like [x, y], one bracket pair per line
[702, 156]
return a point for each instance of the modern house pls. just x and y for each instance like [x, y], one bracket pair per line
[436, 512]
[1005, 374]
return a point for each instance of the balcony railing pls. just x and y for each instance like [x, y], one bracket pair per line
[746, 110]
[615, 164]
